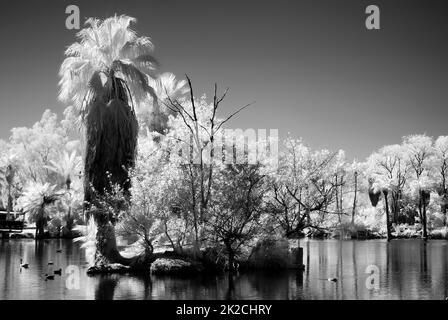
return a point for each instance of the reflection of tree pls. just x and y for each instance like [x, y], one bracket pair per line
[388, 257]
[425, 275]
[340, 272]
[299, 284]
[230, 295]
[147, 288]
[39, 252]
[267, 284]
[423, 258]
[355, 270]
[323, 262]
[396, 266]
[68, 247]
[106, 288]
[7, 259]
[307, 265]
[444, 271]
[133, 284]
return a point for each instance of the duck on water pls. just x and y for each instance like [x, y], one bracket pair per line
[23, 265]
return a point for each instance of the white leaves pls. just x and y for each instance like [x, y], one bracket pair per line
[67, 166]
[166, 85]
[101, 45]
[441, 155]
[35, 197]
[421, 184]
[88, 239]
[441, 145]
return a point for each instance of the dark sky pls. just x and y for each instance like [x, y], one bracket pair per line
[311, 66]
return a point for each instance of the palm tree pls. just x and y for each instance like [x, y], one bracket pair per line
[33, 202]
[2, 181]
[165, 86]
[67, 167]
[103, 74]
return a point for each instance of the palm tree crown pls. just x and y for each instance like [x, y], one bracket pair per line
[68, 166]
[106, 51]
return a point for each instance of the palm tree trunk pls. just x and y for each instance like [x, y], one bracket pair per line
[355, 200]
[158, 124]
[425, 223]
[9, 209]
[69, 211]
[388, 225]
[423, 214]
[69, 220]
[444, 212]
[40, 224]
[112, 131]
[106, 245]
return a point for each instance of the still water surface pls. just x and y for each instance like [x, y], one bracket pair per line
[408, 269]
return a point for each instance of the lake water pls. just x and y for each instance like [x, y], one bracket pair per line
[406, 269]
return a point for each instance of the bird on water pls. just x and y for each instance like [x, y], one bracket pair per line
[49, 277]
[23, 265]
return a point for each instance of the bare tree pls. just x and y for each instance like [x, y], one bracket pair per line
[201, 143]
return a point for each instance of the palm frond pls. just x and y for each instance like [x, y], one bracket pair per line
[35, 197]
[137, 80]
[67, 165]
[146, 61]
[166, 85]
[100, 45]
[137, 47]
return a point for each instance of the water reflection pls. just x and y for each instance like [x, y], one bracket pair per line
[106, 287]
[409, 269]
